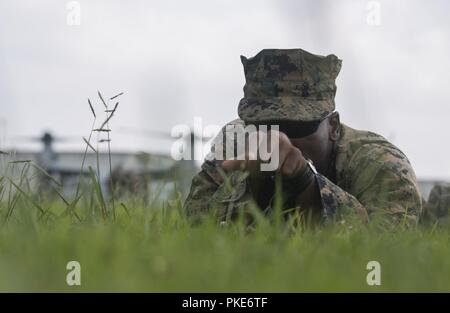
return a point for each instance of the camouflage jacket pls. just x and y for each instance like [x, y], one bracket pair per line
[373, 177]
[437, 208]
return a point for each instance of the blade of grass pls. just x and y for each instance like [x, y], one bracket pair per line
[116, 96]
[98, 191]
[89, 145]
[125, 208]
[20, 161]
[46, 174]
[92, 108]
[27, 197]
[71, 208]
[101, 98]
[101, 130]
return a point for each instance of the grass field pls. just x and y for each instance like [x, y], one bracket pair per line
[155, 249]
[152, 247]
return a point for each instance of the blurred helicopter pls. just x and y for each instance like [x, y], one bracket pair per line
[68, 168]
[183, 169]
[49, 161]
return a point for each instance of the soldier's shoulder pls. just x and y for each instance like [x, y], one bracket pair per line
[368, 159]
[360, 148]
[361, 137]
[352, 140]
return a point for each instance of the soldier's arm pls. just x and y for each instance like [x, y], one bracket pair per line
[214, 193]
[328, 202]
[208, 191]
[381, 182]
[203, 187]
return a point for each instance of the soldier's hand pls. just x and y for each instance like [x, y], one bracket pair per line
[290, 159]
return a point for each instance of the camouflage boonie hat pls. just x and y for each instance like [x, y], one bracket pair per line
[288, 84]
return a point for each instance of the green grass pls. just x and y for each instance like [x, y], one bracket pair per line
[145, 247]
[128, 245]
[156, 249]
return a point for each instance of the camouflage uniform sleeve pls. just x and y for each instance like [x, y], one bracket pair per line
[211, 193]
[379, 179]
[203, 188]
[337, 203]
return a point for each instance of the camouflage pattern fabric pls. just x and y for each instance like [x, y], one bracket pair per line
[288, 84]
[437, 208]
[373, 179]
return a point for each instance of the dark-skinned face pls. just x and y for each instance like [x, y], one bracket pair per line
[318, 146]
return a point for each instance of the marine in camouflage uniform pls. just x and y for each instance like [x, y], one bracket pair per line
[365, 174]
[437, 208]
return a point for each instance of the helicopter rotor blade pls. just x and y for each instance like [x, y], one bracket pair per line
[40, 138]
[144, 132]
[157, 133]
[26, 138]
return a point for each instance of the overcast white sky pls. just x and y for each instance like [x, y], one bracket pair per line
[180, 59]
